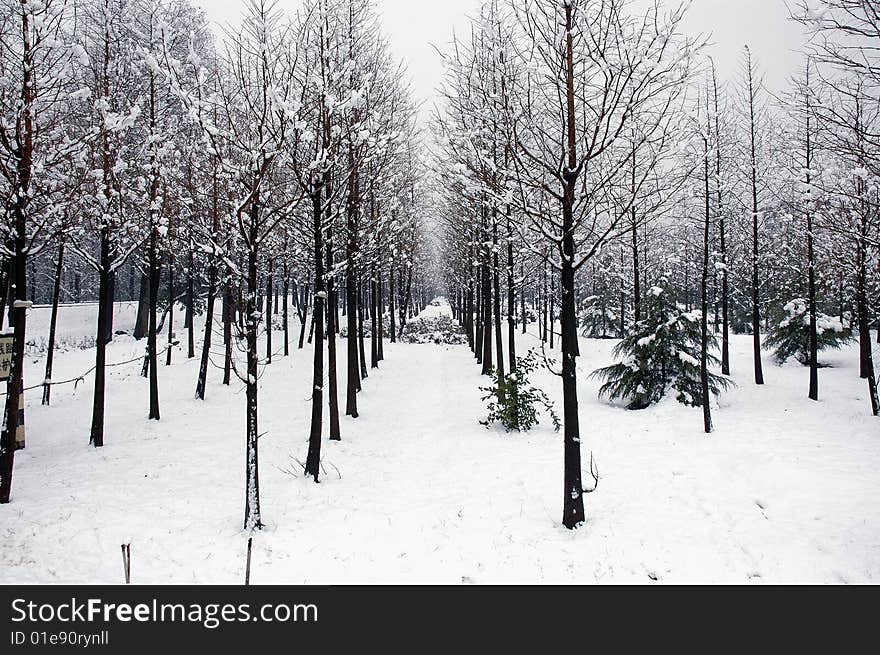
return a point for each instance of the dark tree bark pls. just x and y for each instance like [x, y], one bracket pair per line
[544, 304]
[202, 381]
[478, 336]
[756, 308]
[380, 315]
[637, 287]
[190, 306]
[486, 292]
[469, 312]
[228, 320]
[374, 332]
[105, 282]
[406, 298]
[573, 492]
[511, 299]
[14, 384]
[813, 393]
[53, 322]
[704, 298]
[333, 399]
[391, 292]
[270, 283]
[313, 458]
[362, 358]
[110, 301]
[252, 516]
[303, 314]
[285, 316]
[725, 290]
[496, 301]
[18, 277]
[153, 264]
[170, 308]
[142, 322]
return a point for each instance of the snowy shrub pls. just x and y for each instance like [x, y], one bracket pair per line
[662, 353]
[514, 402]
[434, 329]
[790, 337]
[368, 327]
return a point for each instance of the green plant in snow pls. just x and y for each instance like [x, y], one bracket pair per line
[662, 353]
[790, 337]
[514, 402]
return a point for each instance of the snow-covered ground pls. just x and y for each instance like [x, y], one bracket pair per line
[785, 490]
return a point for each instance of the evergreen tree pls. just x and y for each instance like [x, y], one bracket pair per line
[790, 337]
[662, 353]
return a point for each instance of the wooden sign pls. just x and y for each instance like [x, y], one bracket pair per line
[5, 355]
[5, 371]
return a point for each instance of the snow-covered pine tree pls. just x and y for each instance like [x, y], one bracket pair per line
[790, 336]
[662, 353]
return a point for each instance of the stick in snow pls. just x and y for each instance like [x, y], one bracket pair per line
[247, 571]
[126, 562]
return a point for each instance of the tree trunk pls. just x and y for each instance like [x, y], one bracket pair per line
[486, 293]
[573, 492]
[478, 339]
[142, 322]
[704, 302]
[53, 323]
[285, 316]
[303, 313]
[170, 308]
[209, 326]
[391, 308]
[866, 359]
[96, 436]
[152, 336]
[228, 320]
[511, 300]
[313, 459]
[813, 393]
[496, 300]
[374, 332]
[270, 284]
[407, 297]
[756, 310]
[380, 317]
[190, 307]
[361, 350]
[333, 399]
[637, 288]
[18, 279]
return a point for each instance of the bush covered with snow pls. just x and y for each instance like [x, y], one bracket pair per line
[434, 329]
[662, 353]
[368, 326]
[790, 336]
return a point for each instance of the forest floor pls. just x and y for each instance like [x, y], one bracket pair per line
[785, 490]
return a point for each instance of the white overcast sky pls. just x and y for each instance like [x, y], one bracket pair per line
[412, 26]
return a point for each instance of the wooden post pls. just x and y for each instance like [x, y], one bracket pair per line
[247, 571]
[126, 562]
